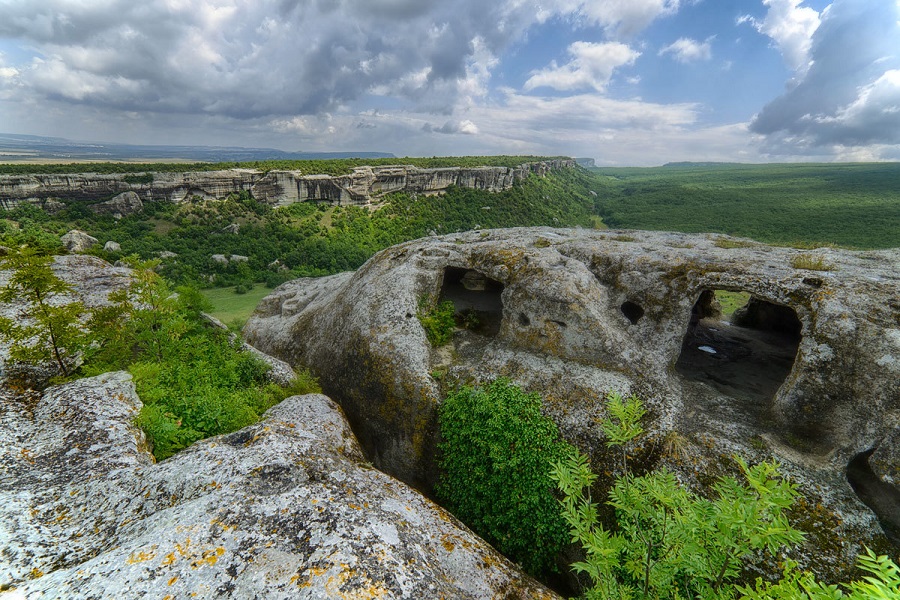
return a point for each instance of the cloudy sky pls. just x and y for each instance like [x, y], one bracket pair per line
[628, 82]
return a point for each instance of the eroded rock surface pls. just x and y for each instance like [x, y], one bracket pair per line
[812, 380]
[364, 185]
[286, 508]
[77, 241]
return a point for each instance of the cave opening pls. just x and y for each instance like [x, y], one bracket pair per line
[477, 298]
[741, 345]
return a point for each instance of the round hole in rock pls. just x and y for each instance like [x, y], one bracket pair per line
[524, 321]
[477, 298]
[743, 346]
[632, 311]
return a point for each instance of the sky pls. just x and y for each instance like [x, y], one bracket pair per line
[626, 82]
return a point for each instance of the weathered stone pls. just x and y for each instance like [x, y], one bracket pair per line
[573, 314]
[112, 246]
[164, 254]
[219, 258]
[286, 508]
[234, 228]
[122, 205]
[365, 185]
[77, 241]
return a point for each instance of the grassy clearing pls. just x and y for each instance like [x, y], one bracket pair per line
[229, 306]
[731, 301]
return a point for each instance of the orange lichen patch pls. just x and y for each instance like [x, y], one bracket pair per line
[208, 557]
[223, 526]
[168, 597]
[25, 454]
[173, 580]
[313, 572]
[354, 506]
[139, 556]
[448, 545]
[35, 573]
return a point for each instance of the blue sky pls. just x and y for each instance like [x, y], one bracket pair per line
[627, 82]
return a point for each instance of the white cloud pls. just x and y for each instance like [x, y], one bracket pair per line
[465, 127]
[686, 50]
[791, 27]
[850, 95]
[591, 67]
[620, 18]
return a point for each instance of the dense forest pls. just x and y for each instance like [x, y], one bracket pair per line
[305, 239]
[854, 205]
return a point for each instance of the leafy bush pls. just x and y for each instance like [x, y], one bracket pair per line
[437, 320]
[671, 543]
[496, 450]
[882, 583]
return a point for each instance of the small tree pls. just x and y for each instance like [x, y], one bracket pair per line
[669, 542]
[51, 329]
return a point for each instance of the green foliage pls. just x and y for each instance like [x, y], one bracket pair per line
[854, 205]
[496, 449]
[811, 262]
[437, 320]
[141, 178]
[882, 583]
[51, 328]
[306, 240]
[669, 542]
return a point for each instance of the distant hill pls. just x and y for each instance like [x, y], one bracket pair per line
[33, 148]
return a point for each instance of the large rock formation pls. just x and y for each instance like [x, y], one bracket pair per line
[363, 186]
[811, 378]
[123, 205]
[286, 508]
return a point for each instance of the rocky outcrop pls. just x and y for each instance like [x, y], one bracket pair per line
[810, 379]
[363, 186]
[122, 205]
[286, 508]
[77, 241]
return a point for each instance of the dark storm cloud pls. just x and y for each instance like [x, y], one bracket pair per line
[850, 96]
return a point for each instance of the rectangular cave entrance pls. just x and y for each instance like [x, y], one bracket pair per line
[477, 298]
[746, 354]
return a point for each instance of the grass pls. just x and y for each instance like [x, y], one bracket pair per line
[229, 306]
[731, 301]
[811, 262]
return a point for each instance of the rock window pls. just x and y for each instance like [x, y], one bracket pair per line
[745, 350]
[477, 299]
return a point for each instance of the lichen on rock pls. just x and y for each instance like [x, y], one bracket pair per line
[810, 376]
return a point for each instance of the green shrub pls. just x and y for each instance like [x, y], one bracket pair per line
[496, 450]
[437, 320]
[811, 262]
[671, 543]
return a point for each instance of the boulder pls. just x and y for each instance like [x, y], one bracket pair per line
[77, 241]
[112, 246]
[810, 378]
[121, 205]
[286, 508]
